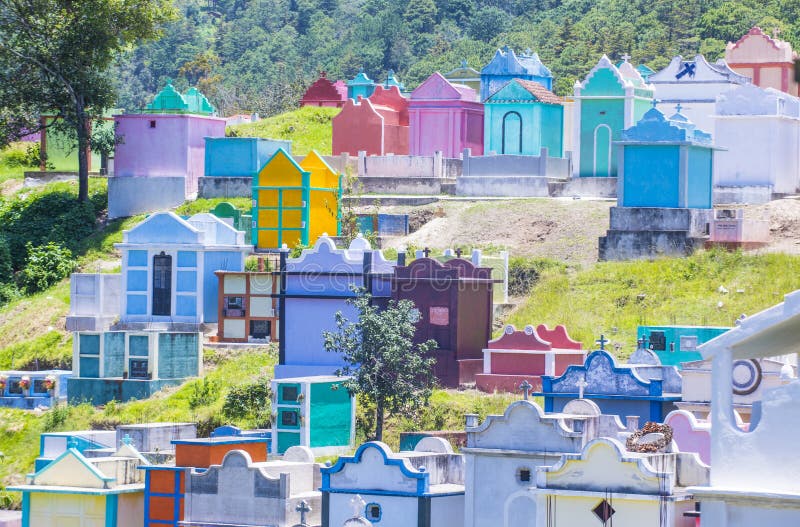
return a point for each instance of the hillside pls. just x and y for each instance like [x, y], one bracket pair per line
[259, 55]
[308, 128]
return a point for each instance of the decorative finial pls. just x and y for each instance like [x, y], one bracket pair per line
[582, 384]
[464, 63]
[127, 440]
[72, 443]
[626, 57]
[526, 388]
[642, 342]
[654, 103]
[459, 251]
[602, 341]
[678, 108]
[357, 505]
[426, 251]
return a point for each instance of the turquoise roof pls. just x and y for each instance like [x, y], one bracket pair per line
[169, 100]
[391, 80]
[506, 62]
[198, 103]
[655, 127]
[361, 80]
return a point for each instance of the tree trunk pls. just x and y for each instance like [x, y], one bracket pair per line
[82, 128]
[379, 421]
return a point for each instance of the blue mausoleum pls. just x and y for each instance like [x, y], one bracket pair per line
[666, 163]
[643, 388]
[506, 65]
[360, 86]
[240, 156]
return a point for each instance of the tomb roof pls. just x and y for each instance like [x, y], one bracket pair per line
[361, 79]
[169, 100]
[654, 126]
[506, 62]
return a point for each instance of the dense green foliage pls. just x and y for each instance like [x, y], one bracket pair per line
[308, 128]
[258, 55]
[46, 265]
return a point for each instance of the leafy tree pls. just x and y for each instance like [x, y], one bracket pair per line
[63, 49]
[383, 364]
[487, 23]
[421, 15]
[47, 264]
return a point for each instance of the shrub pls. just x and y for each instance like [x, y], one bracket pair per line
[204, 392]
[46, 266]
[250, 403]
[6, 267]
[523, 273]
[55, 417]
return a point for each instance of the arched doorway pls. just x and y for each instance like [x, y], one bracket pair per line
[520, 511]
[162, 285]
[602, 151]
[512, 133]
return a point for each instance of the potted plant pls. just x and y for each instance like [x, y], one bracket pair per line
[25, 382]
[49, 384]
[3, 383]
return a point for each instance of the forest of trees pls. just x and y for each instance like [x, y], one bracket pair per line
[259, 55]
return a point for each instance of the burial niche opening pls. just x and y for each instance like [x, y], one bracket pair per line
[162, 285]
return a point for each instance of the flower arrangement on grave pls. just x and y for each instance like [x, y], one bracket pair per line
[25, 382]
[635, 443]
[49, 383]
[3, 383]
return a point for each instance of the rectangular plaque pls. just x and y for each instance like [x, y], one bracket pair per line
[439, 316]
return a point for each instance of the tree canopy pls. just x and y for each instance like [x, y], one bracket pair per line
[55, 57]
[383, 363]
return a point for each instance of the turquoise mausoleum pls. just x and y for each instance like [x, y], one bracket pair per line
[523, 117]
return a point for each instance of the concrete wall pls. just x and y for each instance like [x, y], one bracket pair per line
[225, 187]
[94, 301]
[128, 196]
[507, 175]
[435, 166]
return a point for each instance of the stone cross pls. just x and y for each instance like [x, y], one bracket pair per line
[526, 388]
[626, 57]
[582, 384]
[655, 102]
[303, 509]
[72, 443]
[602, 341]
[459, 252]
[127, 440]
[426, 251]
[678, 108]
[642, 343]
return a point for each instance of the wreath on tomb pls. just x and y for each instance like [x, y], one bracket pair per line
[635, 443]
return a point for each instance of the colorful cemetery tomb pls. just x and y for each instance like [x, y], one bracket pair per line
[609, 100]
[695, 84]
[455, 303]
[360, 86]
[94, 301]
[248, 307]
[392, 80]
[465, 75]
[377, 126]
[605, 484]
[524, 356]
[243, 492]
[10, 518]
[383, 224]
[642, 388]
[767, 60]
[730, 228]
[167, 486]
[33, 389]
[123, 365]
[760, 129]
[752, 378]
[643, 70]
[325, 92]
[423, 488]
[690, 434]
[522, 117]
[314, 287]
[232, 162]
[676, 344]
[236, 218]
[664, 193]
[444, 117]
[151, 438]
[754, 474]
[168, 267]
[88, 492]
[506, 66]
[503, 453]
[295, 203]
[161, 153]
[314, 412]
[90, 443]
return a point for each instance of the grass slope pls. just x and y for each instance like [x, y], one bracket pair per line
[309, 128]
[615, 297]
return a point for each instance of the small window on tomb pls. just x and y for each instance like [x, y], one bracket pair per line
[373, 512]
[137, 369]
[260, 329]
[152, 124]
[289, 393]
[289, 418]
[234, 306]
[658, 341]
[689, 343]
[524, 475]
[14, 388]
[38, 386]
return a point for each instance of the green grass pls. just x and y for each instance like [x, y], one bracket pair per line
[308, 128]
[613, 298]
[191, 208]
